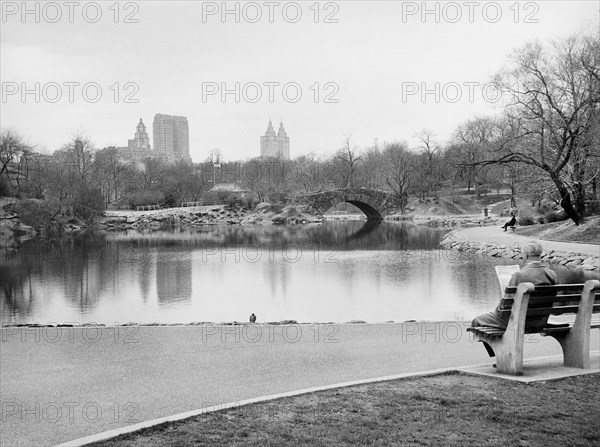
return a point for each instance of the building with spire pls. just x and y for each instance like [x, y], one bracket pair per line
[138, 148]
[276, 145]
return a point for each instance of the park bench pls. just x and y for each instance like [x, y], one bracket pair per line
[529, 307]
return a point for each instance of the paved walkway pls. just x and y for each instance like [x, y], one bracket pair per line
[61, 384]
[497, 235]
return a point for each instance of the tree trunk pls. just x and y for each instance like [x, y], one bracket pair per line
[565, 200]
[579, 199]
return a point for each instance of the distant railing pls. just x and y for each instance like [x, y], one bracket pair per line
[197, 203]
[118, 206]
[200, 203]
[147, 207]
[123, 206]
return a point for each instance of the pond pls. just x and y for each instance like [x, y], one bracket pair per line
[332, 272]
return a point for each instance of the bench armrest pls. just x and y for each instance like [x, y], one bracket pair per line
[518, 315]
[583, 319]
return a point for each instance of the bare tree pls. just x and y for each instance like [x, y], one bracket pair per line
[553, 115]
[111, 172]
[399, 166]
[79, 157]
[431, 152]
[348, 158]
[13, 150]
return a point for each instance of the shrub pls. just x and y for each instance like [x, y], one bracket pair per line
[249, 202]
[5, 189]
[170, 200]
[592, 207]
[89, 203]
[554, 216]
[526, 221]
[34, 212]
[145, 198]
[233, 200]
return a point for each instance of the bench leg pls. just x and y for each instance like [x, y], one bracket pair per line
[576, 343]
[509, 352]
[509, 347]
[575, 347]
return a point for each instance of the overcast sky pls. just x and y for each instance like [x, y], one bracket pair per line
[368, 56]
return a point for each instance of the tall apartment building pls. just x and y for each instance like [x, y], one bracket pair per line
[138, 148]
[171, 137]
[275, 145]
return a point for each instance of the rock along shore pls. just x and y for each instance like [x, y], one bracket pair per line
[13, 232]
[565, 258]
[263, 214]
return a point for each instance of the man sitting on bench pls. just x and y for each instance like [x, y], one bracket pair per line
[511, 223]
[534, 271]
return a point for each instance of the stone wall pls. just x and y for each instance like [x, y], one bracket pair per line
[568, 259]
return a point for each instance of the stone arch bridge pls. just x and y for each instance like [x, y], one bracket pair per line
[375, 204]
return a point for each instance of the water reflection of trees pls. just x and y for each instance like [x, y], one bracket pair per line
[83, 270]
[334, 235]
[174, 277]
[75, 265]
[16, 294]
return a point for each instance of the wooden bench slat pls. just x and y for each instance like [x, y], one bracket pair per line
[550, 328]
[553, 310]
[490, 332]
[570, 299]
[541, 290]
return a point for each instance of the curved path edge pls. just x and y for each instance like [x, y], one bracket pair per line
[479, 368]
[188, 414]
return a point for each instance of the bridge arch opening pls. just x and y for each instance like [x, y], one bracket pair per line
[370, 212]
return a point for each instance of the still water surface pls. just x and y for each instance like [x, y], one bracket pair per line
[334, 272]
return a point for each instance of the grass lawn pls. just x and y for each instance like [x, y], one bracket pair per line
[449, 409]
[565, 231]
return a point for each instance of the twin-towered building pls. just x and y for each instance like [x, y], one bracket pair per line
[171, 140]
[276, 145]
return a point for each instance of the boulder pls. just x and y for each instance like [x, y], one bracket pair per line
[262, 206]
[116, 221]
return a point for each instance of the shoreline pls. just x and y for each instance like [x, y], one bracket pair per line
[212, 323]
[570, 259]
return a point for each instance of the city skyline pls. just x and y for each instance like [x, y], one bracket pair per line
[273, 144]
[364, 60]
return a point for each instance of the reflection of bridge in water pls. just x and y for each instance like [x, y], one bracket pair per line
[375, 204]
